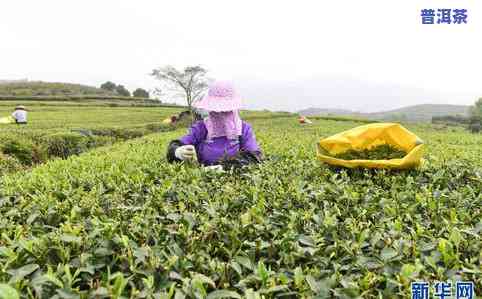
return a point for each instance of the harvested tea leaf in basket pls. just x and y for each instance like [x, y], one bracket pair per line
[380, 152]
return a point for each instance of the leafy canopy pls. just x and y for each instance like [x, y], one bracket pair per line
[121, 90]
[190, 82]
[140, 93]
[110, 86]
[476, 111]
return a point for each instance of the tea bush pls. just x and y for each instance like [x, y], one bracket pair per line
[57, 132]
[66, 144]
[25, 150]
[9, 164]
[120, 221]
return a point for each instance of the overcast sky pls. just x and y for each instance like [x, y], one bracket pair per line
[255, 43]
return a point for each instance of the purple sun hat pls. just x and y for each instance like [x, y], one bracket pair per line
[221, 97]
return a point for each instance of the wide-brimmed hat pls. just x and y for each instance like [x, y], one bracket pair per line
[19, 107]
[221, 96]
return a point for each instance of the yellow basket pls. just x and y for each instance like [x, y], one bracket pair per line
[368, 136]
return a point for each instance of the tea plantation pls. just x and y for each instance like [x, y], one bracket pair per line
[120, 222]
[60, 130]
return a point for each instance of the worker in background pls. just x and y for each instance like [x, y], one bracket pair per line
[221, 140]
[20, 115]
[303, 120]
[200, 114]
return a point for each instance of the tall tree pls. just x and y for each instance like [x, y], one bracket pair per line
[140, 93]
[190, 82]
[110, 86]
[121, 90]
[476, 111]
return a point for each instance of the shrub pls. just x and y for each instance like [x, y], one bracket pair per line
[108, 132]
[132, 133]
[73, 143]
[9, 164]
[157, 127]
[475, 127]
[450, 119]
[343, 118]
[141, 93]
[101, 141]
[26, 151]
[121, 90]
[66, 144]
[121, 133]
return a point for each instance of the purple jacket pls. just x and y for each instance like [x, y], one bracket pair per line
[210, 152]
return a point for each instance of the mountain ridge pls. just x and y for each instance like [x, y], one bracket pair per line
[420, 112]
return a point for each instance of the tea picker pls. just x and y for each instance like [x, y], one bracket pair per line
[20, 115]
[222, 140]
[304, 120]
[198, 115]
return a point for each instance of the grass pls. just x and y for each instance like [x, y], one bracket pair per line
[119, 220]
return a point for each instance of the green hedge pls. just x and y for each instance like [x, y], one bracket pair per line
[17, 151]
[25, 150]
[9, 164]
[342, 118]
[72, 143]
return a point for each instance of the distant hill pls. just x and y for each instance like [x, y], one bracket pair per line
[14, 81]
[415, 113]
[420, 112]
[37, 88]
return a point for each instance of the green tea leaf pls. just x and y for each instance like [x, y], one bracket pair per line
[70, 238]
[306, 240]
[388, 253]
[204, 279]
[23, 271]
[7, 292]
[223, 294]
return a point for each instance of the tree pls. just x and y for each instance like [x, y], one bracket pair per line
[476, 111]
[476, 117]
[121, 90]
[140, 93]
[110, 86]
[190, 82]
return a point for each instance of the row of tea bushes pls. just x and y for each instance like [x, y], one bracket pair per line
[120, 221]
[22, 150]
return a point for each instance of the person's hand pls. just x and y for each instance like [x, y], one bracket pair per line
[214, 168]
[185, 153]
